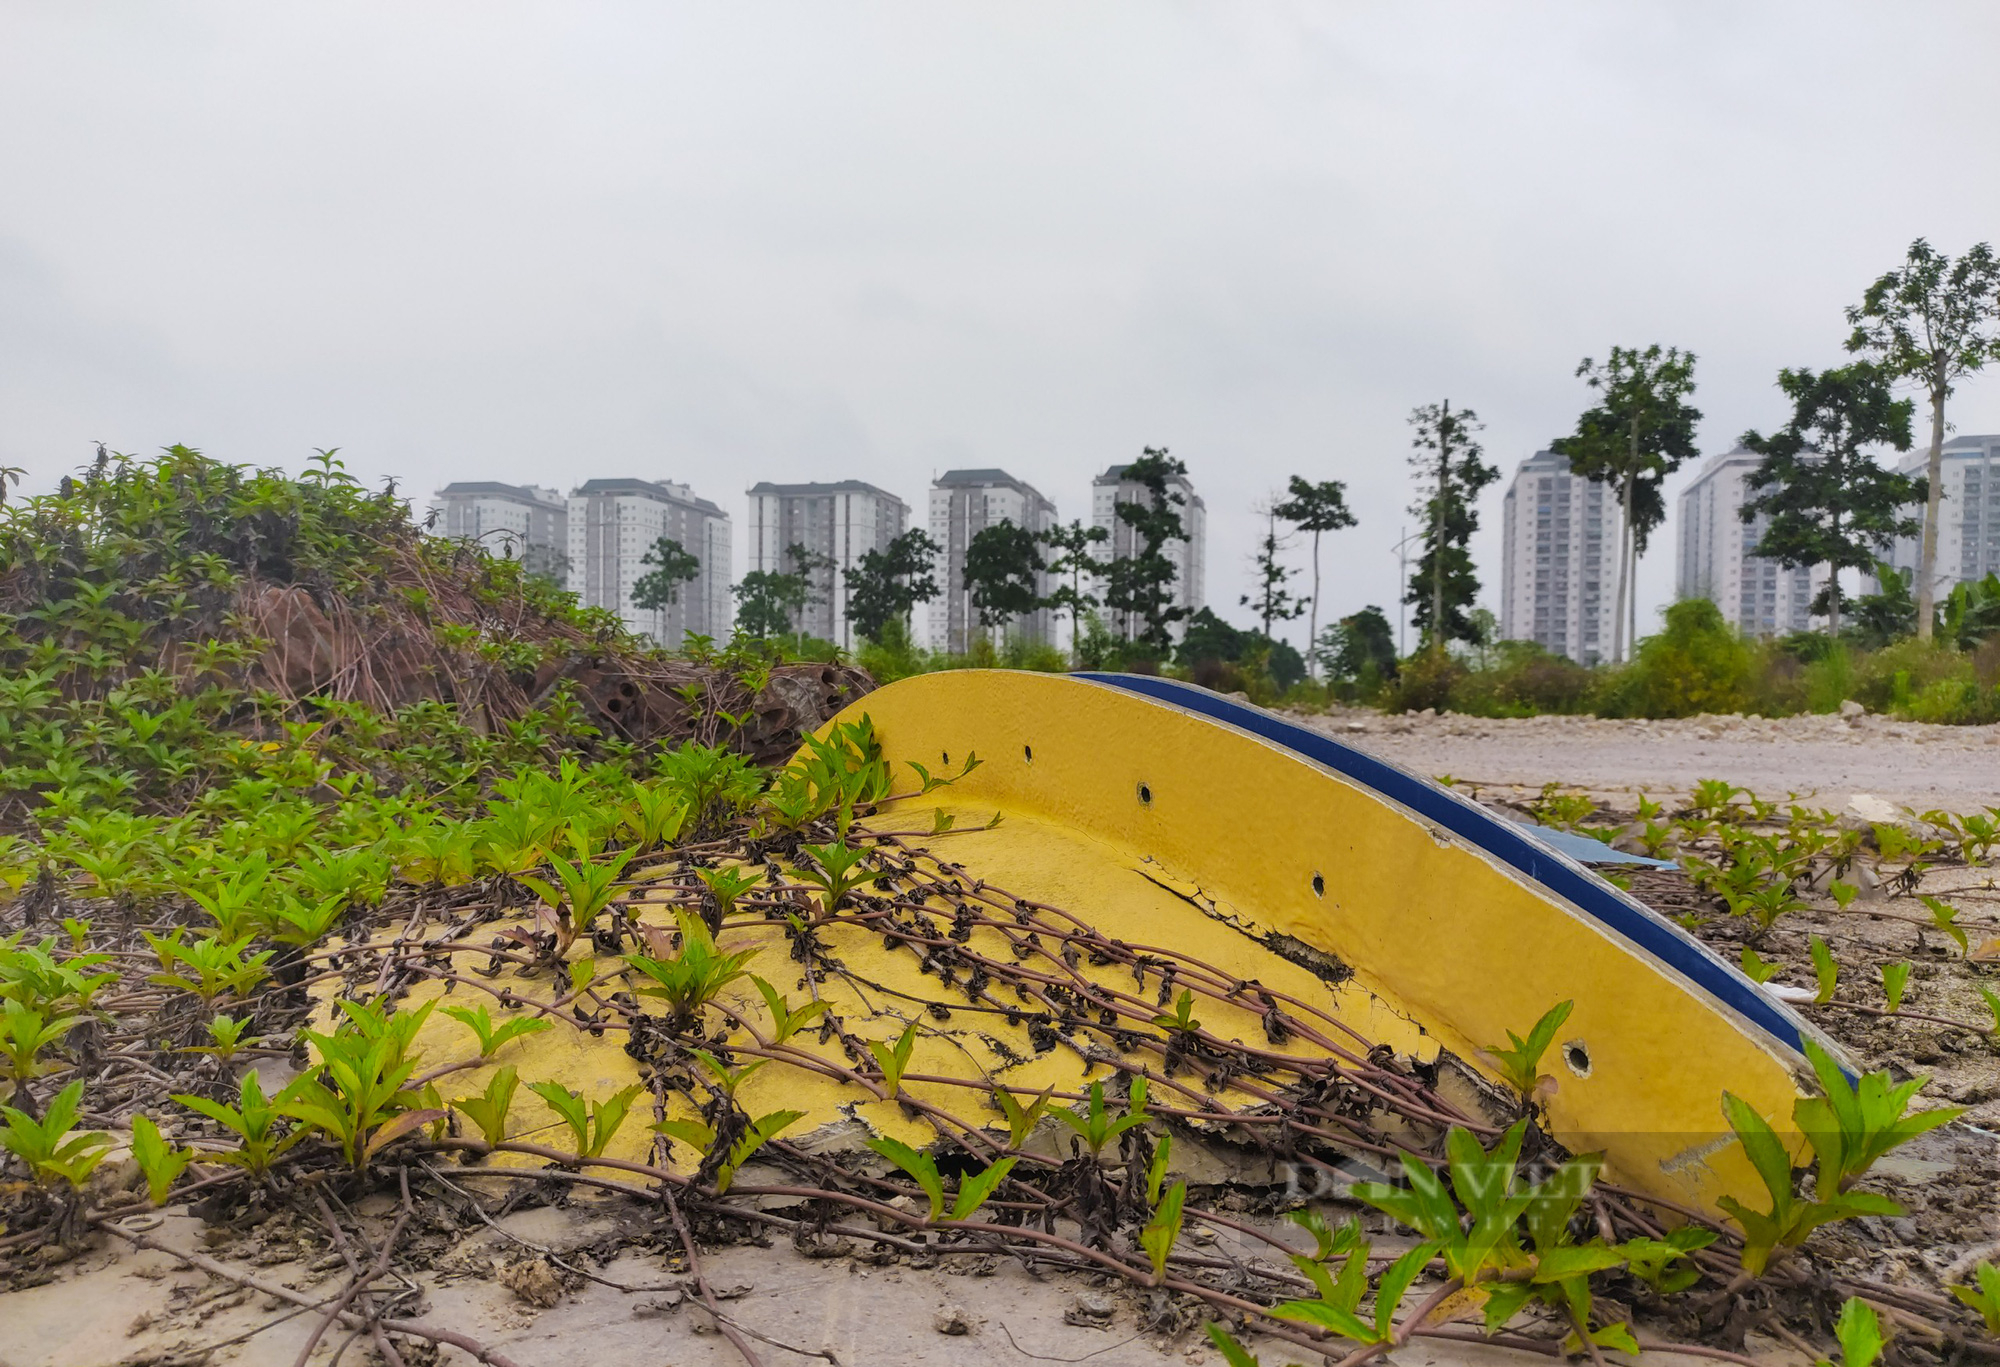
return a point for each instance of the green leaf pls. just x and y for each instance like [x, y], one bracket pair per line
[1394, 1282]
[1859, 1332]
[1233, 1353]
[974, 1191]
[159, 1161]
[1895, 980]
[1160, 1233]
[1825, 968]
[919, 1165]
[1983, 1295]
[1330, 1317]
[1757, 968]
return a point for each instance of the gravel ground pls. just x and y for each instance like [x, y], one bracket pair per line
[1828, 758]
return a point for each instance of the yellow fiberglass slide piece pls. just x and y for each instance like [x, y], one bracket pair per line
[1449, 926]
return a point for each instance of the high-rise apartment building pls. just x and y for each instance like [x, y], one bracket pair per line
[1560, 536]
[1188, 555]
[836, 524]
[1968, 512]
[1715, 556]
[964, 503]
[515, 521]
[614, 523]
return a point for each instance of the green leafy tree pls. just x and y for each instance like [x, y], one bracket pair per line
[1316, 508]
[1829, 503]
[1272, 601]
[1358, 643]
[1449, 475]
[1931, 323]
[885, 585]
[766, 601]
[1640, 432]
[660, 587]
[1003, 568]
[1141, 587]
[1074, 559]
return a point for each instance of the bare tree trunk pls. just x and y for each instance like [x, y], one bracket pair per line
[1313, 616]
[1624, 559]
[1437, 528]
[1927, 558]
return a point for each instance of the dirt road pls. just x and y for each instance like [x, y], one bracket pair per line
[1828, 759]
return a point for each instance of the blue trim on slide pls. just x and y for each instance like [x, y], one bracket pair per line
[1644, 928]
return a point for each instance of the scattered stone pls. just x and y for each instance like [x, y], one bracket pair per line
[1852, 710]
[1877, 810]
[952, 1319]
[1091, 1309]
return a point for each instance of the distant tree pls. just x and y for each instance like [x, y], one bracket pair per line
[660, 587]
[1208, 637]
[1931, 323]
[1640, 432]
[885, 585]
[1449, 475]
[1829, 503]
[1003, 567]
[1357, 642]
[1272, 601]
[767, 600]
[815, 571]
[1316, 508]
[1141, 586]
[1074, 543]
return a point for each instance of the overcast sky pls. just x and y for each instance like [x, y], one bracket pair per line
[728, 242]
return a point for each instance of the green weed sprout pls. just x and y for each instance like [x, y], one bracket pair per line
[253, 1120]
[726, 885]
[1859, 1334]
[1825, 968]
[1163, 1231]
[1021, 1120]
[1096, 1125]
[1983, 1295]
[491, 1037]
[587, 888]
[1521, 1064]
[1945, 917]
[1182, 1018]
[786, 1022]
[835, 875]
[893, 1059]
[1895, 981]
[594, 1124]
[359, 1095]
[161, 1162]
[1757, 968]
[489, 1109]
[973, 1191]
[1849, 1128]
[48, 1145]
[701, 1138]
[226, 1036]
[210, 967]
[726, 1079]
[695, 977]
[24, 1033]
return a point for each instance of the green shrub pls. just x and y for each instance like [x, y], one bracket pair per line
[1891, 679]
[1426, 680]
[1523, 680]
[1696, 664]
